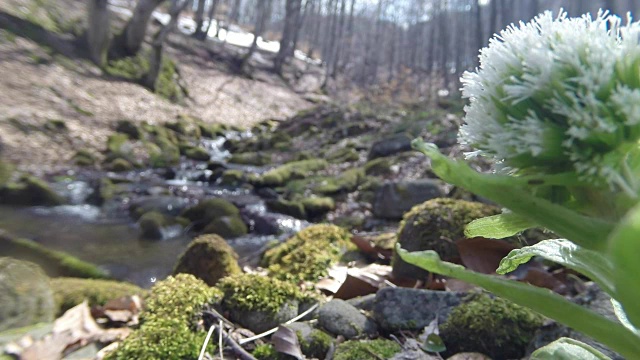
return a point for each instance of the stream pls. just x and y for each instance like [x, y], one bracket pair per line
[109, 237]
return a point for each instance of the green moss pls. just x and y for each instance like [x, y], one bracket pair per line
[165, 153]
[209, 210]
[317, 206]
[211, 130]
[251, 158]
[6, 171]
[495, 327]
[29, 191]
[197, 153]
[316, 345]
[366, 350]
[116, 142]
[119, 165]
[268, 352]
[168, 328]
[232, 177]
[209, 258]
[131, 68]
[151, 224]
[54, 263]
[69, 292]
[287, 207]
[378, 166]
[309, 254]
[167, 82]
[227, 227]
[84, 158]
[297, 169]
[256, 292]
[345, 154]
[348, 181]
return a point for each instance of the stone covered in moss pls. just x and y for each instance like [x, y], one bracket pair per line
[309, 254]
[317, 206]
[25, 294]
[268, 352]
[119, 165]
[209, 210]
[152, 224]
[227, 227]
[168, 328]
[491, 326]
[345, 154]
[366, 350]
[250, 158]
[116, 144]
[167, 82]
[84, 158]
[129, 128]
[69, 292]
[316, 345]
[232, 177]
[435, 225]
[54, 263]
[6, 171]
[29, 191]
[378, 166]
[208, 258]
[259, 303]
[287, 207]
[347, 181]
[211, 130]
[296, 169]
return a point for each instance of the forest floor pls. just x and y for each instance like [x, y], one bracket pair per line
[41, 85]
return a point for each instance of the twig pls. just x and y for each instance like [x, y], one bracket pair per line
[269, 332]
[206, 342]
[237, 349]
[220, 340]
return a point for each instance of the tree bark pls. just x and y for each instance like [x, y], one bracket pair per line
[262, 15]
[199, 18]
[292, 15]
[98, 31]
[129, 42]
[212, 13]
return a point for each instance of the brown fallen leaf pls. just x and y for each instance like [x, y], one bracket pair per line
[346, 283]
[285, 341]
[483, 255]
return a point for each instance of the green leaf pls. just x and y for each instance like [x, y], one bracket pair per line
[434, 343]
[625, 249]
[592, 264]
[543, 301]
[498, 226]
[514, 193]
[622, 316]
[567, 349]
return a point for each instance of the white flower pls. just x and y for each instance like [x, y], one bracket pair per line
[557, 95]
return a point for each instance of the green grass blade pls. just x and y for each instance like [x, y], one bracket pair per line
[498, 226]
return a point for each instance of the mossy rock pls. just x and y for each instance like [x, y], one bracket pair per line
[227, 227]
[345, 154]
[435, 225]
[211, 130]
[268, 352]
[346, 182]
[315, 207]
[197, 153]
[69, 292]
[314, 343]
[84, 158]
[232, 177]
[167, 153]
[309, 254]
[119, 165]
[287, 207]
[297, 169]
[250, 158]
[495, 327]
[131, 68]
[168, 329]
[29, 191]
[56, 125]
[366, 349]
[167, 82]
[25, 294]
[152, 222]
[208, 258]
[6, 171]
[116, 144]
[209, 210]
[259, 303]
[54, 263]
[378, 166]
[128, 128]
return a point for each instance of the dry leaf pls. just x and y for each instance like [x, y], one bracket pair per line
[483, 255]
[285, 341]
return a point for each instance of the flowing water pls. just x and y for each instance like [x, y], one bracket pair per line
[106, 236]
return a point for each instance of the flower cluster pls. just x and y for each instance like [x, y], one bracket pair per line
[559, 95]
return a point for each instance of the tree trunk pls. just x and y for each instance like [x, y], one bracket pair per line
[130, 40]
[288, 33]
[339, 40]
[212, 13]
[308, 6]
[262, 15]
[98, 31]
[198, 34]
[155, 61]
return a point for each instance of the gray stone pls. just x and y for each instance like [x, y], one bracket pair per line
[261, 321]
[167, 205]
[340, 318]
[25, 294]
[595, 300]
[390, 146]
[363, 302]
[412, 309]
[393, 199]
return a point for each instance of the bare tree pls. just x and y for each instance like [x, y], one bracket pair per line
[98, 32]
[263, 12]
[129, 42]
[212, 12]
[199, 18]
[293, 8]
